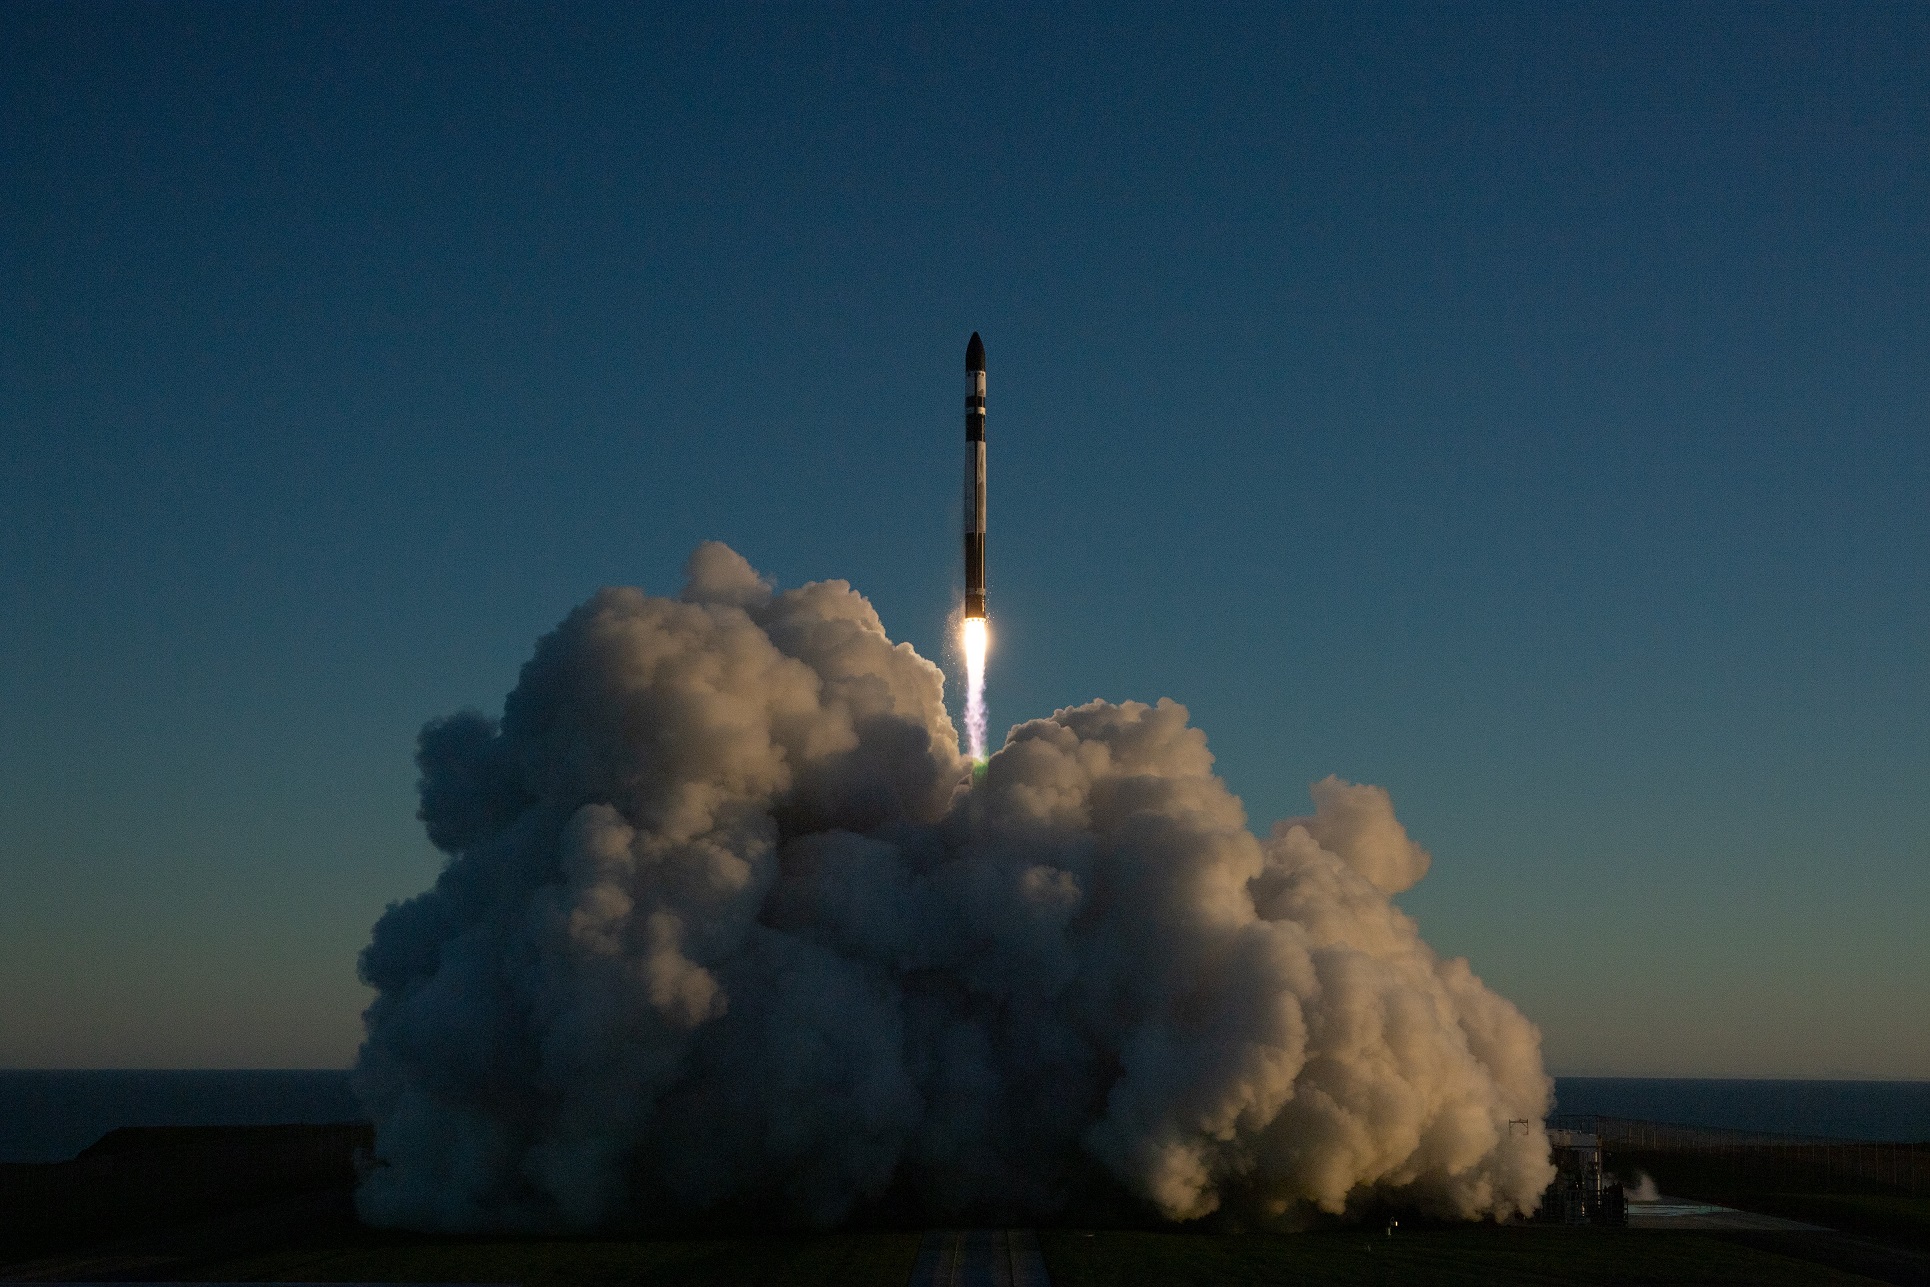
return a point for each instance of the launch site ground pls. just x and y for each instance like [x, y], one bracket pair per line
[1471, 1255]
[273, 1205]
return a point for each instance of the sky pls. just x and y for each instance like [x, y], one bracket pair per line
[1521, 407]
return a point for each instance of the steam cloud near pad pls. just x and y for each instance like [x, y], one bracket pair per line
[727, 928]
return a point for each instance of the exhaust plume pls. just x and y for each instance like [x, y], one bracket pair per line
[974, 637]
[727, 927]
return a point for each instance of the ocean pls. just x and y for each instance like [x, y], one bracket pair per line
[48, 1116]
[1855, 1110]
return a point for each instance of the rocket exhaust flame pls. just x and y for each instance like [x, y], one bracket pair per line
[973, 640]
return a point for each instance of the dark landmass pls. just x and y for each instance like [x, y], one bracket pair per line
[273, 1204]
[1465, 1254]
[163, 1179]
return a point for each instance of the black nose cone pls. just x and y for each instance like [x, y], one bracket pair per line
[975, 354]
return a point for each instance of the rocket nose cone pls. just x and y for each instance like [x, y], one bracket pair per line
[975, 354]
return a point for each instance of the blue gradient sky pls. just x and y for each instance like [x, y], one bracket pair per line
[1520, 407]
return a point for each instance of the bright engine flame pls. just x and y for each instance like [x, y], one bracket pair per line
[973, 640]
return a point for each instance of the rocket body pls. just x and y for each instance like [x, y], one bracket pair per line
[975, 478]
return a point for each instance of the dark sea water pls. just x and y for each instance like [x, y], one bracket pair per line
[50, 1116]
[1857, 1110]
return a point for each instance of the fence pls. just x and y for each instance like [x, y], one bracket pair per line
[1829, 1165]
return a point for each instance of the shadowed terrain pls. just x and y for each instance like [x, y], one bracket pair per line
[272, 1204]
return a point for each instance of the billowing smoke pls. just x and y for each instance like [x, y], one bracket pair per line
[727, 927]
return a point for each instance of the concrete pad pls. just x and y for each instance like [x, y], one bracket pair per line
[1679, 1213]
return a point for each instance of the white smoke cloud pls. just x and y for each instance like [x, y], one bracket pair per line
[725, 928]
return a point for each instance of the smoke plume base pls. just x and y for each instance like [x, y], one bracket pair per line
[729, 925]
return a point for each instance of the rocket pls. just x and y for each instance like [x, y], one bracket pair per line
[975, 479]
